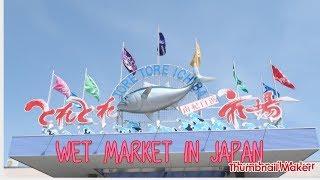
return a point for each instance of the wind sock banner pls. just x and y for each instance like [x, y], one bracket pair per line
[268, 88]
[91, 87]
[196, 60]
[239, 83]
[281, 78]
[128, 61]
[61, 86]
[162, 45]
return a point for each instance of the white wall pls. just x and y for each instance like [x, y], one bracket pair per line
[22, 172]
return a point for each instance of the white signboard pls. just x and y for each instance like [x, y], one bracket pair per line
[198, 105]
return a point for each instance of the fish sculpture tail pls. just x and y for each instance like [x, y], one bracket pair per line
[200, 77]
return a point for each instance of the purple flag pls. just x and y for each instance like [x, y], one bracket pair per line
[128, 61]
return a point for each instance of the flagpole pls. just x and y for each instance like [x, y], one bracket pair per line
[262, 83]
[50, 88]
[236, 78]
[121, 68]
[265, 128]
[275, 88]
[64, 100]
[274, 80]
[263, 88]
[158, 60]
[158, 53]
[196, 69]
[84, 82]
[61, 122]
[121, 71]
[236, 125]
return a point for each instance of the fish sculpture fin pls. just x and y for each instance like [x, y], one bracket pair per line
[174, 106]
[287, 99]
[206, 78]
[150, 116]
[146, 93]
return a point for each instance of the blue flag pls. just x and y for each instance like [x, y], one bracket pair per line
[75, 104]
[73, 94]
[162, 45]
[268, 88]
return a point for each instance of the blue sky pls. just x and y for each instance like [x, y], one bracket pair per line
[68, 36]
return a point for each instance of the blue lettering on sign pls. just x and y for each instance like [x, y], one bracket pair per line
[141, 71]
[165, 70]
[133, 79]
[181, 74]
[189, 78]
[149, 71]
[156, 69]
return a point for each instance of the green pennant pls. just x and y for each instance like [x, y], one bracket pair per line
[91, 87]
[238, 82]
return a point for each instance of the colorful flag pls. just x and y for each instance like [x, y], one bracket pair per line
[196, 57]
[128, 61]
[61, 86]
[239, 83]
[73, 94]
[281, 78]
[162, 45]
[91, 87]
[75, 104]
[268, 88]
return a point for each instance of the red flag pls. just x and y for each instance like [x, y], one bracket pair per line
[281, 78]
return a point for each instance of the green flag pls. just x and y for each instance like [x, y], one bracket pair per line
[91, 87]
[238, 82]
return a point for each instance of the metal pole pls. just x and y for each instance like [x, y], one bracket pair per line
[121, 71]
[236, 78]
[274, 80]
[121, 62]
[262, 83]
[275, 88]
[158, 53]
[158, 62]
[84, 82]
[196, 69]
[238, 94]
[50, 88]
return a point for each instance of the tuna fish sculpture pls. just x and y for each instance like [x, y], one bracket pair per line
[148, 100]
